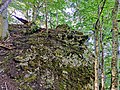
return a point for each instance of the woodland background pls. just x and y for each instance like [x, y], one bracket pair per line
[95, 23]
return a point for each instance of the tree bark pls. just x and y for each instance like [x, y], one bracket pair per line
[46, 16]
[102, 58]
[97, 27]
[114, 66]
[97, 49]
[96, 59]
[1, 26]
[5, 32]
[4, 5]
[3, 19]
[57, 18]
[34, 14]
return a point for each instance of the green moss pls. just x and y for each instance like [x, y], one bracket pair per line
[53, 57]
[30, 79]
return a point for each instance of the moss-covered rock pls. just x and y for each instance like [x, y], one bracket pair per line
[53, 61]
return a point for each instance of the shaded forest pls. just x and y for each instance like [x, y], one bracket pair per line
[59, 45]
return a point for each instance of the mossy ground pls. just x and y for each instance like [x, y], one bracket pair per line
[47, 61]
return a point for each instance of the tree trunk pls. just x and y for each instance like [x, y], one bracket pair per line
[5, 32]
[34, 13]
[3, 19]
[57, 18]
[1, 26]
[97, 28]
[97, 49]
[102, 58]
[46, 15]
[96, 60]
[114, 66]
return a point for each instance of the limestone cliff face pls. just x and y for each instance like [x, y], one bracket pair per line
[53, 61]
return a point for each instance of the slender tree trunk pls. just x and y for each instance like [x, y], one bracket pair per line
[102, 58]
[27, 15]
[114, 74]
[34, 14]
[97, 28]
[3, 19]
[57, 18]
[5, 32]
[96, 60]
[97, 50]
[46, 15]
[1, 26]
[51, 25]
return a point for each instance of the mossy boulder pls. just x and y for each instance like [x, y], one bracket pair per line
[50, 61]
